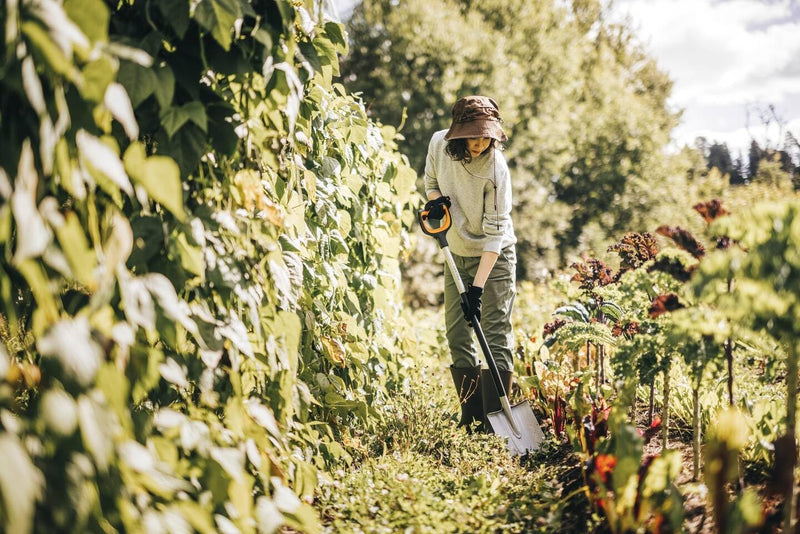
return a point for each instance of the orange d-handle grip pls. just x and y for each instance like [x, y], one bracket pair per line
[439, 231]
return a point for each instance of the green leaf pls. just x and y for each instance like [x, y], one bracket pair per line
[148, 240]
[264, 37]
[218, 17]
[91, 16]
[59, 412]
[118, 103]
[97, 430]
[6, 219]
[304, 518]
[579, 313]
[159, 175]
[143, 371]
[165, 88]
[82, 259]
[335, 32]
[185, 148]
[241, 495]
[44, 47]
[115, 388]
[172, 119]
[21, 484]
[221, 130]
[231, 460]
[69, 342]
[104, 161]
[611, 310]
[327, 53]
[171, 306]
[268, 516]
[140, 82]
[663, 471]
[191, 256]
[37, 280]
[176, 13]
[311, 54]
[405, 180]
[96, 77]
[305, 479]
[29, 221]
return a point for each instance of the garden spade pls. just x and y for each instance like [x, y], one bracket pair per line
[515, 423]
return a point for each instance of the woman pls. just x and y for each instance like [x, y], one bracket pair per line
[466, 171]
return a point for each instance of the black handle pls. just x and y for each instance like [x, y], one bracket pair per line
[438, 232]
[487, 352]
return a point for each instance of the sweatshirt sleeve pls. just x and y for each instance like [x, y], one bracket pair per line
[497, 208]
[431, 178]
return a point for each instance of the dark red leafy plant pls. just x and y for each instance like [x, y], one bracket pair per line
[725, 242]
[650, 431]
[551, 328]
[684, 239]
[674, 267]
[592, 273]
[634, 249]
[629, 329]
[559, 416]
[710, 210]
[664, 304]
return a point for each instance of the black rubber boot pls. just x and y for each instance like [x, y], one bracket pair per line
[468, 386]
[491, 399]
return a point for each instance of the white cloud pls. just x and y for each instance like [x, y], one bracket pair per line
[723, 56]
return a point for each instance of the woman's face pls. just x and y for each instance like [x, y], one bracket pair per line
[476, 145]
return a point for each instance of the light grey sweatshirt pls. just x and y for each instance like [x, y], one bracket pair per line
[480, 192]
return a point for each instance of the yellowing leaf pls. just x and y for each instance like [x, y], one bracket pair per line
[334, 350]
[345, 222]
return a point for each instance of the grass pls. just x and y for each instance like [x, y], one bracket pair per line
[419, 474]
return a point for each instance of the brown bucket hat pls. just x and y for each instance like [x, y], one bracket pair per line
[475, 116]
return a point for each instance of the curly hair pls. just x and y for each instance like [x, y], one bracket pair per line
[457, 149]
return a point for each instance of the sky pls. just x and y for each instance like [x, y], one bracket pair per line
[730, 60]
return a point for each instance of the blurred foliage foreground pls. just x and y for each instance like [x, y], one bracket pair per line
[199, 273]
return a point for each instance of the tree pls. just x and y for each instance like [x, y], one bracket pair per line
[720, 157]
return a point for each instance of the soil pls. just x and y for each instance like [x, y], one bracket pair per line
[698, 515]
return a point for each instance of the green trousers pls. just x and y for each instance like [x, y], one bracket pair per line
[497, 302]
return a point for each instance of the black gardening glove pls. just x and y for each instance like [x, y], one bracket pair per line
[473, 306]
[435, 207]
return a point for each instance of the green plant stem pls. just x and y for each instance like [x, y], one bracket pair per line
[588, 357]
[729, 361]
[665, 410]
[651, 406]
[729, 354]
[696, 433]
[582, 489]
[601, 356]
[597, 370]
[791, 414]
